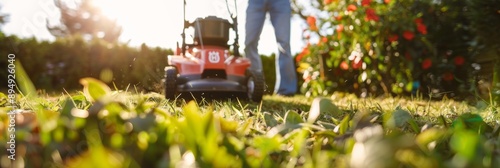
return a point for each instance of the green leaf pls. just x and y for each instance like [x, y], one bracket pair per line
[414, 125]
[292, 117]
[80, 101]
[228, 126]
[299, 142]
[442, 121]
[397, 119]
[67, 106]
[3, 99]
[325, 133]
[322, 106]
[465, 143]
[24, 81]
[343, 125]
[283, 129]
[270, 120]
[94, 89]
[100, 157]
[471, 121]
[367, 60]
[78, 98]
[444, 8]
[267, 145]
[142, 140]
[409, 86]
[430, 135]
[114, 108]
[245, 128]
[117, 140]
[58, 134]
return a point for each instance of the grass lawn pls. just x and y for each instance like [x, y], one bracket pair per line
[98, 127]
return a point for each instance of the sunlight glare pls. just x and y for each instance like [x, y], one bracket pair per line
[159, 22]
[145, 20]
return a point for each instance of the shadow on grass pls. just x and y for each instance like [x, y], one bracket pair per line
[280, 104]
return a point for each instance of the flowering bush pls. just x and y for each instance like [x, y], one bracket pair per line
[385, 47]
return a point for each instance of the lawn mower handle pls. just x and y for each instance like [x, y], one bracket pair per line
[187, 24]
[183, 35]
[236, 44]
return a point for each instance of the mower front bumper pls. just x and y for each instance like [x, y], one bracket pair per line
[211, 85]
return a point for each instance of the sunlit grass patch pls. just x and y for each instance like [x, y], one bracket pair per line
[134, 129]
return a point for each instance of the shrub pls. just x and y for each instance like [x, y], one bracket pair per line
[396, 47]
[60, 64]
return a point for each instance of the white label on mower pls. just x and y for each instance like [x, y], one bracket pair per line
[213, 57]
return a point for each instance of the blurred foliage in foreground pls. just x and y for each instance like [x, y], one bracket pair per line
[99, 127]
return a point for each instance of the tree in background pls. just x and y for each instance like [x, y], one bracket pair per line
[3, 20]
[3, 17]
[87, 20]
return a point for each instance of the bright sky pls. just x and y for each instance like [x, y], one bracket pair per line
[154, 22]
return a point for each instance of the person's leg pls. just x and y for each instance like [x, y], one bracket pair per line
[286, 78]
[256, 14]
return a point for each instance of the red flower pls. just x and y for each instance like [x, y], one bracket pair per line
[305, 51]
[338, 18]
[351, 8]
[344, 65]
[314, 28]
[370, 15]
[299, 57]
[408, 35]
[324, 39]
[311, 21]
[393, 38]
[357, 64]
[448, 76]
[326, 2]
[459, 60]
[418, 20]
[366, 2]
[422, 28]
[387, 1]
[340, 28]
[427, 63]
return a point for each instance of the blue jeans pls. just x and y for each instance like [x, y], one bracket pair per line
[280, 12]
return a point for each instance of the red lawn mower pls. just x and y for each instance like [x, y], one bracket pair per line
[207, 68]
